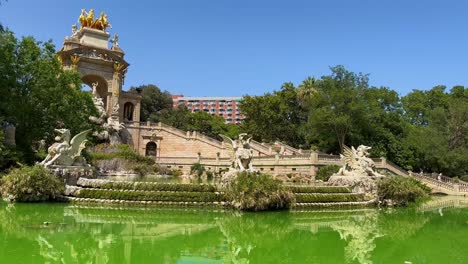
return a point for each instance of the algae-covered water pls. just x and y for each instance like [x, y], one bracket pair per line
[436, 232]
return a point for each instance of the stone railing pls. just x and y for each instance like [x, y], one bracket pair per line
[329, 158]
[259, 146]
[434, 182]
[394, 168]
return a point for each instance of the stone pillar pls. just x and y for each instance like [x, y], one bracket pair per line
[276, 171]
[384, 162]
[456, 188]
[314, 158]
[217, 162]
[136, 112]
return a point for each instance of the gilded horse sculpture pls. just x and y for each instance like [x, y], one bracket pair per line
[86, 19]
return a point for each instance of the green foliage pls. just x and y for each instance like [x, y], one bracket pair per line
[37, 95]
[464, 178]
[153, 100]
[150, 195]
[143, 169]
[329, 197]
[258, 192]
[198, 168]
[122, 151]
[401, 190]
[325, 172]
[156, 106]
[343, 109]
[209, 175]
[8, 155]
[176, 172]
[150, 186]
[31, 184]
[319, 189]
[274, 117]
[203, 122]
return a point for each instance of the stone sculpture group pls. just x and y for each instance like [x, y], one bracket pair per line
[357, 171]
[111, 127]
[240, 154]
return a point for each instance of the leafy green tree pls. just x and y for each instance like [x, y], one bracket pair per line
[38, 95]
[336, 108]
[153, 100]
[274, 117]
[439, 137]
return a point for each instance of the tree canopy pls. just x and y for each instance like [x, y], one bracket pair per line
[424, 130]
[37, 95]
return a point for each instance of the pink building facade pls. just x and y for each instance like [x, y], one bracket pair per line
[226, 107]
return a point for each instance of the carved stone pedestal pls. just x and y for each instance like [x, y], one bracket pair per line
[71, 174]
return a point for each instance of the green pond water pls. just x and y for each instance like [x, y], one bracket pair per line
[436, 232]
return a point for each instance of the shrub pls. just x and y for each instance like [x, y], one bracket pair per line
[143, 169]
[145, 186]
[123, 151]
[401, 190]
[325, 172]
[31, 184]
[320, 189]
[209, 175]
[198, 168]
[258, 192]
[176, 172]
[150, 195]
[329, 198]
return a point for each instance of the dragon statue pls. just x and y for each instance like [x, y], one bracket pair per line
[66, 152]
[357, 162]
[240, 152]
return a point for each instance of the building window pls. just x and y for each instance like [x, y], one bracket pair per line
[128, 111]
[151, 149]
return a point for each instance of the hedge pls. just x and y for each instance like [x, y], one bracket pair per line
[319, 189]
[323, 198]
[146, 186]
[150, 196]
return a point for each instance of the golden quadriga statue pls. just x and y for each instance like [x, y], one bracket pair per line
[86, 19]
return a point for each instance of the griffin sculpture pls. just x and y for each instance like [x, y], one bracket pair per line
[66, 152]
[357, 162]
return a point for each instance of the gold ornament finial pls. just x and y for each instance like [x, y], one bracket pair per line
[118, 67]
[74, 60]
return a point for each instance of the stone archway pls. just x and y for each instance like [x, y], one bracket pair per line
[102, 88]
[151, 149]
[128, 111]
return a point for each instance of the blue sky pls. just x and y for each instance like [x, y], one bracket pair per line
[238, 47]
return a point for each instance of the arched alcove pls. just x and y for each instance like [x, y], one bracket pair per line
[128, 111]
[151, 148]
[102, 88]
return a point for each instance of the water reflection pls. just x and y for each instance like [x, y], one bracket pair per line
[73, 234]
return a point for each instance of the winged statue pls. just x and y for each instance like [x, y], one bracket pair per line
[357, 162]
[66, 152]
[239, 152]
